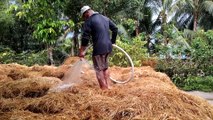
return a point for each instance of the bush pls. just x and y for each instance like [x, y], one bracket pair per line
[25, 58]
[177, 70]
[199, 83]
[202, 53]
[135, 48]
[30, 58]
[195, 70]
[6, 55]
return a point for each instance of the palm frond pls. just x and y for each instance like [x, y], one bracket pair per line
[205, 21]
[208, 6]
[184, 20]
[189, 34]
[167, 4]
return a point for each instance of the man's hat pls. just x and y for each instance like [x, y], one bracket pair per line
[84, 9]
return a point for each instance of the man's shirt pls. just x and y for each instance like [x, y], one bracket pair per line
[98, 26]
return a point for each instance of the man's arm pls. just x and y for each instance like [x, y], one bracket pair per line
[85, 39]
[114, 30]
[81, 51]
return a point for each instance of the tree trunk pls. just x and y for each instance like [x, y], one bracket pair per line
[50, 55]
[137, 28]
[75, 44]
[195, 21]
[196, 10]
[72, 52]
[105, 6]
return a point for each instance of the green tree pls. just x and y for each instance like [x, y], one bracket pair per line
[45, 19]
[163, 12]
[6, 21]
[199, 9]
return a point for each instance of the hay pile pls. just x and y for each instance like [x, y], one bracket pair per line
[151, 95]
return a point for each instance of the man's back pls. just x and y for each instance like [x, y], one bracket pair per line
[98, 26]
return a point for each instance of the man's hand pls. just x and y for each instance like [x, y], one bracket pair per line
[81, 52]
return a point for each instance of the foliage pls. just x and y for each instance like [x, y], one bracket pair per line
[46, 20]
[28, 58]
[199, 62]
[6, 55]
[6, 21]
[178, 70]
[135, 48]
[49, 30]
[196, 11]
[203, 51]
[176, 45]
[62, 51]
[129, 25]
[199, 83]
[44, 16]
[16, 32]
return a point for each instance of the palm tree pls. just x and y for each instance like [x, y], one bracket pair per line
[133, 9]
[163, 12]
[197, 10]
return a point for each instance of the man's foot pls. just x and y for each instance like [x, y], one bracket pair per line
[104, 88]
[110, 87]
[107, 88]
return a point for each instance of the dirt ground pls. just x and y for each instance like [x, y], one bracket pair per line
[27, 93]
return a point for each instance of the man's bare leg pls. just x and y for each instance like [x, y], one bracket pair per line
[106, 77]
[101, 80]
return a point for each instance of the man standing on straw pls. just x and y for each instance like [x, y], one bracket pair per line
[98, 27]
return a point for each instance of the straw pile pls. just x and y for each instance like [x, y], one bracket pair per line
[151, 95]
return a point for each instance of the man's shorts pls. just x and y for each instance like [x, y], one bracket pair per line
[100, 62]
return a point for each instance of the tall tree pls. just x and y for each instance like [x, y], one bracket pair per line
[6, 20]
[198, 9]
[45, 19]
[163, 12]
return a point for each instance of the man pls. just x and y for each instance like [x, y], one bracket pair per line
[97, 26]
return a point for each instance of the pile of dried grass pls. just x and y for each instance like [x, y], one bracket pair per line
[28, 87]
[13, 72]
[10, 72]
[151, 95]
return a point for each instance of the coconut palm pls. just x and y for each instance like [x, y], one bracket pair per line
[196, 11]
[163, 12]
[133, 9]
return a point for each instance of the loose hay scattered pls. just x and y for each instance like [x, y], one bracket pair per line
[49, 104]
[13, 71]
[29, 87]
[151, 95]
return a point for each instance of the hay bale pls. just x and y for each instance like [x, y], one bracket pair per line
[29, 87]
[48, 104]
[55, 103]
[5, 78]
[70, 60]
[152, 62]
[151, 95]
[2, 72]
[47, 71]
[18, 74]
[22, 115]
[14, 71]
[42, 68]
[53, 73]
[9, 105]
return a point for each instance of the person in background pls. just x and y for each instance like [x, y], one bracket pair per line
[97, 27]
